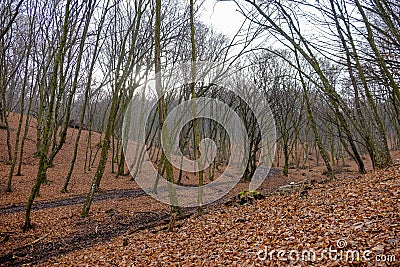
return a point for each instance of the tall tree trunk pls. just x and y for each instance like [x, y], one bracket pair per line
[197, 153]
[311, 119]
[41, 175]
[162, 114]
[379, 150]
[87, 91]
[21, 116]
[104, 153]
[115, 103]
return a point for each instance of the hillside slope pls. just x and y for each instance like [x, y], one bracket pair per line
[349, 216]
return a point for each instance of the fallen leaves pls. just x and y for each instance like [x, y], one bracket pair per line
[362, 213]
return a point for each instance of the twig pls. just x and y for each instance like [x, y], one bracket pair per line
[5, 239]
[36, 241]
[387, 179]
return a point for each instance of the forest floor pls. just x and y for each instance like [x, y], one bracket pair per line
[126, 227]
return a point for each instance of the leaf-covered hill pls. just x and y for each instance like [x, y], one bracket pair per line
[354, 221]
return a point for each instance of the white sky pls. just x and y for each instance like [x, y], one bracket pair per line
[222, 16]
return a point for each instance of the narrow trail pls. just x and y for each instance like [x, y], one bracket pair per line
[79, 199]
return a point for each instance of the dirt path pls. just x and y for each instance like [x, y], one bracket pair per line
[79, 199]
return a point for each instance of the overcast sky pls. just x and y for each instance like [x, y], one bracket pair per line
[222, 16]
